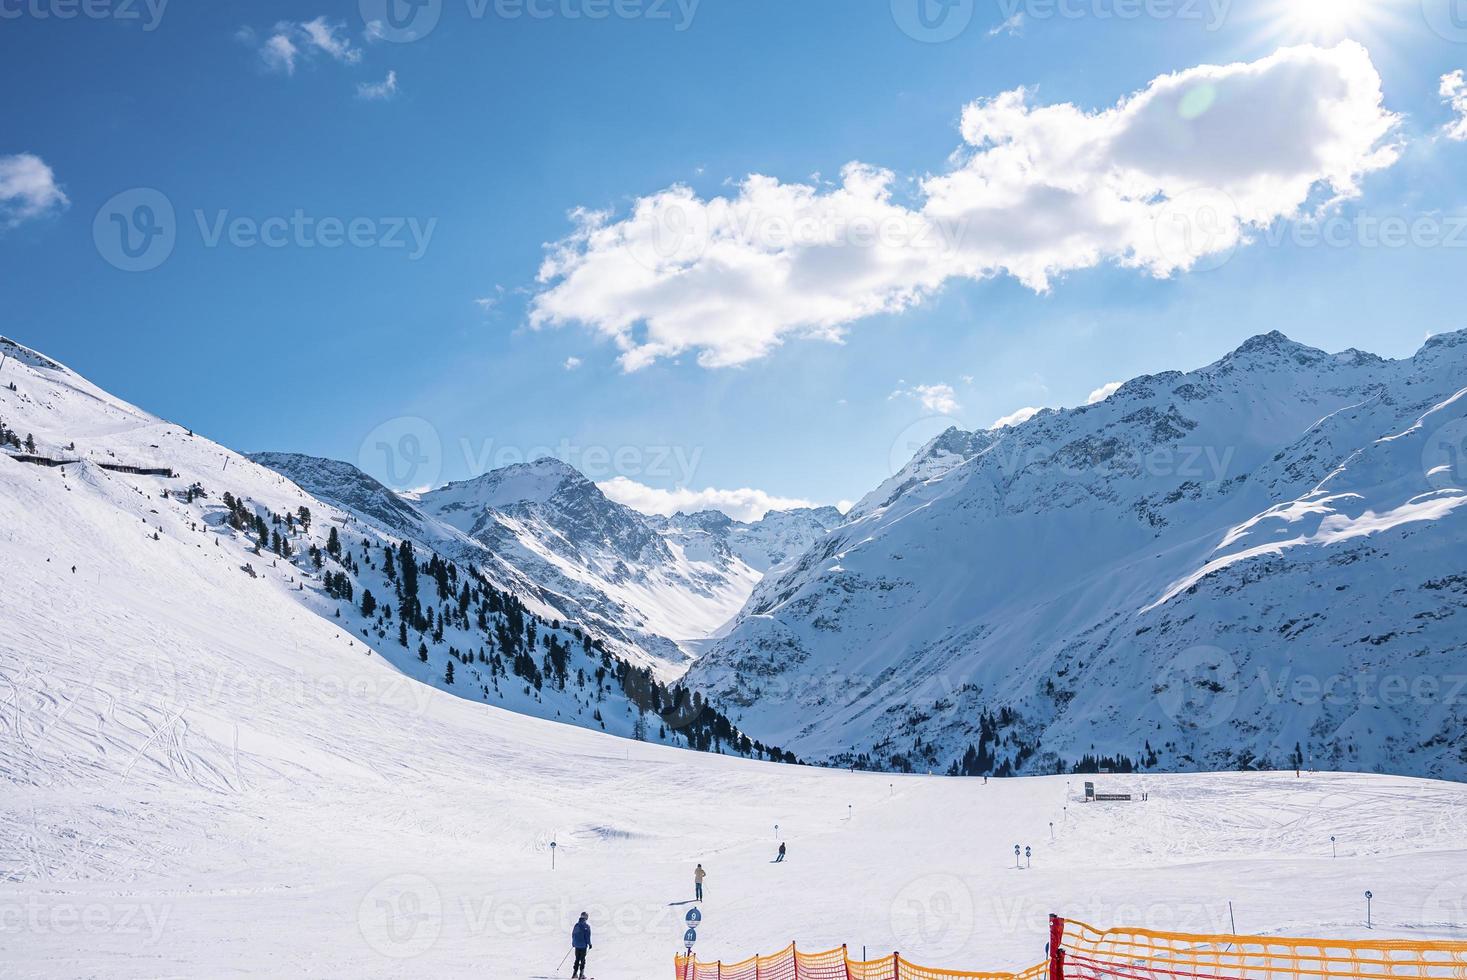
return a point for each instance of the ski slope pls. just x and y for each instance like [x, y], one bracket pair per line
[203, 775]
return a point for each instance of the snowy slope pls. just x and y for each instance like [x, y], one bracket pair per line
[1202, 571]
[947, 450]
[500, 651]
[347, 487]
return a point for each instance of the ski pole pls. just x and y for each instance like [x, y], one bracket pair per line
[562, 960]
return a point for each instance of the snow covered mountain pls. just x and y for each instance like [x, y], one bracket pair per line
[648, 587]
[381, 578]
[763, 544]
[1205, 570]
[358, 494]
[601, 562]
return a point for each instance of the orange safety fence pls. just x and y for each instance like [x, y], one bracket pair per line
[791, 963]
[1082, 952]
[1143, 954]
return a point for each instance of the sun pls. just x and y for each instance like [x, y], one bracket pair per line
[1377, 24]
[1322, 16]
[1329, 19]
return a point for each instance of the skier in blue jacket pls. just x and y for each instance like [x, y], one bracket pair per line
[581, 941]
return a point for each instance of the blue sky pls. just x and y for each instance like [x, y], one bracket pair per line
[462, 166]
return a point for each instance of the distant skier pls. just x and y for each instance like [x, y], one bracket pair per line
[580, 942]
[780, 859]
[698, 876]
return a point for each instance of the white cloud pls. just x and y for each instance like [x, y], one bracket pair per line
[1454, 93]
[742, 505]
[1182, 170]
[571, 363]
[28, 189]
[332, 39]
[1022, 415]
[1013, 26]
[279, 53]
[938, 398]
[378, 91]
[290, 41]
[1103, 392]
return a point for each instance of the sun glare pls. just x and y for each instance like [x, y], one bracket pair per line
[1326, 19]
[1374, 23]
[1323, 12]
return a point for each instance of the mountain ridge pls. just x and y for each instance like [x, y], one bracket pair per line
[990, 585]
